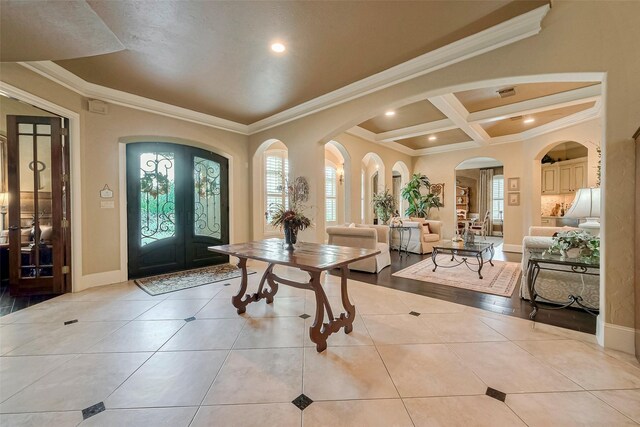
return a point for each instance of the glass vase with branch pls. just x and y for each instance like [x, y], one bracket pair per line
[290, 216]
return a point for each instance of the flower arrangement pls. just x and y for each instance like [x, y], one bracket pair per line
[291, 217]
[575, 243]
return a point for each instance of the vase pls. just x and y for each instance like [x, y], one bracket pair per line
[290, 236]
[573, 253]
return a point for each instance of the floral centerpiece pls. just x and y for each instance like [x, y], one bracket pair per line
[290, 217]
[575, 244]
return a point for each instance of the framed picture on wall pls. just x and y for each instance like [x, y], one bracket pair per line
[514, 199]
[514, 184]
[438, 190]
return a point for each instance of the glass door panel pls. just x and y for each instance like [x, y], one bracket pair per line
[157, 197]
[207, 216]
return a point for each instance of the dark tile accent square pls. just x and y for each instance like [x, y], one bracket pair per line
[190, 319]
[69, 322]
[227, 284]
[304, 316]
[496, 394]
[93, 410]
[302, 402]
[414, 313]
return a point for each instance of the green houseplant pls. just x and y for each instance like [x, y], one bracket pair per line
[575, 244]
[384, 204]
[419, 197]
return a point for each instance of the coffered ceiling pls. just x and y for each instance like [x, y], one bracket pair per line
[214, 57]
[483, 116]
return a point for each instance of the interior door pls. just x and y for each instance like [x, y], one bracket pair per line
[177, 206]
[38, 206]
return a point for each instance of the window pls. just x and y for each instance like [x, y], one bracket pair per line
[498, 198]
[362, 196]
[276, 170]
[331, 193]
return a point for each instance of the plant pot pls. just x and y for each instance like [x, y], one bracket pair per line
[574, 253]
[290, 236]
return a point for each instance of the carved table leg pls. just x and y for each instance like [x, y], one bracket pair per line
[236, 300]
[319, 330]
[351, 310]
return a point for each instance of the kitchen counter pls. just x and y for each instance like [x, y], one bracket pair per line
[558, 221]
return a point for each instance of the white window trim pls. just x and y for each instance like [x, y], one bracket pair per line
[494, 215]
[283, 154]
[330, 164]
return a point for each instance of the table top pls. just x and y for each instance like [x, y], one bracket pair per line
[306, 256]
[550, 258]
[462, 246]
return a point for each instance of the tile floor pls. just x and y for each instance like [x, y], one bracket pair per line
[138, 356]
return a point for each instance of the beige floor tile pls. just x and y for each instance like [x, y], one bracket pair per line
[199, 292]
[14, 335]
[335, 302]
[281, 306]
[421, 370]
[57, 419]
[357, 413]
[358, 336]
[74, 338]
[55, 311]
[174, 309]
[520, 329]
[370, 303]
[271, 332]
[206, 334]
[460, 327]
[341, 373]
[116, 310]
[18, 372]
[425, 305]
[461, 411]
[139, 335]
[258, 415]
[179, 378]
[592, 369]
[565, 409]
[153, 417]
[506, 367]
[89, 379]
[258, 376]
[219, 308]
[625, 401]
[399, 329]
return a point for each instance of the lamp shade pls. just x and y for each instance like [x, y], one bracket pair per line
[4, 199]
[586, 204]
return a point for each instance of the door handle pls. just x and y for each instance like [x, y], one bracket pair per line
[14, 227]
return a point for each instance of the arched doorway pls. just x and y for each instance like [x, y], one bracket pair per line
[178, 205]
[373, 181]
[270, 169]
[337, 183]
[400, 174]
[480, 198]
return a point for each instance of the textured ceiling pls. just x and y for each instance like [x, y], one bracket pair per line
[453, 136]
[409, 115]
[214, 57]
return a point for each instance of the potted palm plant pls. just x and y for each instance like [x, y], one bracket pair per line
[384, 205]
[419, 197]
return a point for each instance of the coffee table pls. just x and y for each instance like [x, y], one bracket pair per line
[312, 258]
[464, 253]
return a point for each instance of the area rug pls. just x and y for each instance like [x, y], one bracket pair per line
[501, 279]
[172, 282]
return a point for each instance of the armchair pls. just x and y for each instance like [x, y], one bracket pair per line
[425, 233]
[367, 237]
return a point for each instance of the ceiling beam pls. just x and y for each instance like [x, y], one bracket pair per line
[452, 108]
[417, 130]
[531, 106]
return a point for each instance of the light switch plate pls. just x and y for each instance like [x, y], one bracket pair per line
[107, 204]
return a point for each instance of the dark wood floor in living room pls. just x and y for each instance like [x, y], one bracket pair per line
[569, 318]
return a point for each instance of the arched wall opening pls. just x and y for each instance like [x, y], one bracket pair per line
[401, 175]
[337, 154]
[260, 209]
[373, 182]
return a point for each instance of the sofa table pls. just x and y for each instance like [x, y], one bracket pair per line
[401, 229]
[542, 260]
[464, 251]
[312, 258]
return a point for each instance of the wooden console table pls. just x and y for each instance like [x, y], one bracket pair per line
[312, 258]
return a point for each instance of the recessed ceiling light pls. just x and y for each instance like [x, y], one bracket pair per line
[433, 138]
[278, 47]
[390, 113]
[529, 120]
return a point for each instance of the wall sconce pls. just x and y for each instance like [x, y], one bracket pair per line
[341, 175]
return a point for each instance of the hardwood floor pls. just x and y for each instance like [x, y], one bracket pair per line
[9, 304]
[569, 318]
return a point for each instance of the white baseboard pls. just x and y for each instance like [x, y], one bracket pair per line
[616, 337]
[99, 279]
[512, 248]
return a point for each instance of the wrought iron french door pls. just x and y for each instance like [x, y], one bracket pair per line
[177, 206]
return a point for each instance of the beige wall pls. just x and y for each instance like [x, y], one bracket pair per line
[99, 139]
[577, 37]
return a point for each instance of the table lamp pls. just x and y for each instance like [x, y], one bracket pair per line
[586, 205]
[4, 200]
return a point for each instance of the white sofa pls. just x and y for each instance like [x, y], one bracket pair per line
[422, 238]
[556, 285]
[367, 237]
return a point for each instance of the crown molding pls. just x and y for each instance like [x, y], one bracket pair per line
[65, 78]
[511, 31]
[417, 130]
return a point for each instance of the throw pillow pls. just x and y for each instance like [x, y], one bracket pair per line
[426, 227]
[352, 225]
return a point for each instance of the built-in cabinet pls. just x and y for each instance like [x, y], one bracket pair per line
[564, 177]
